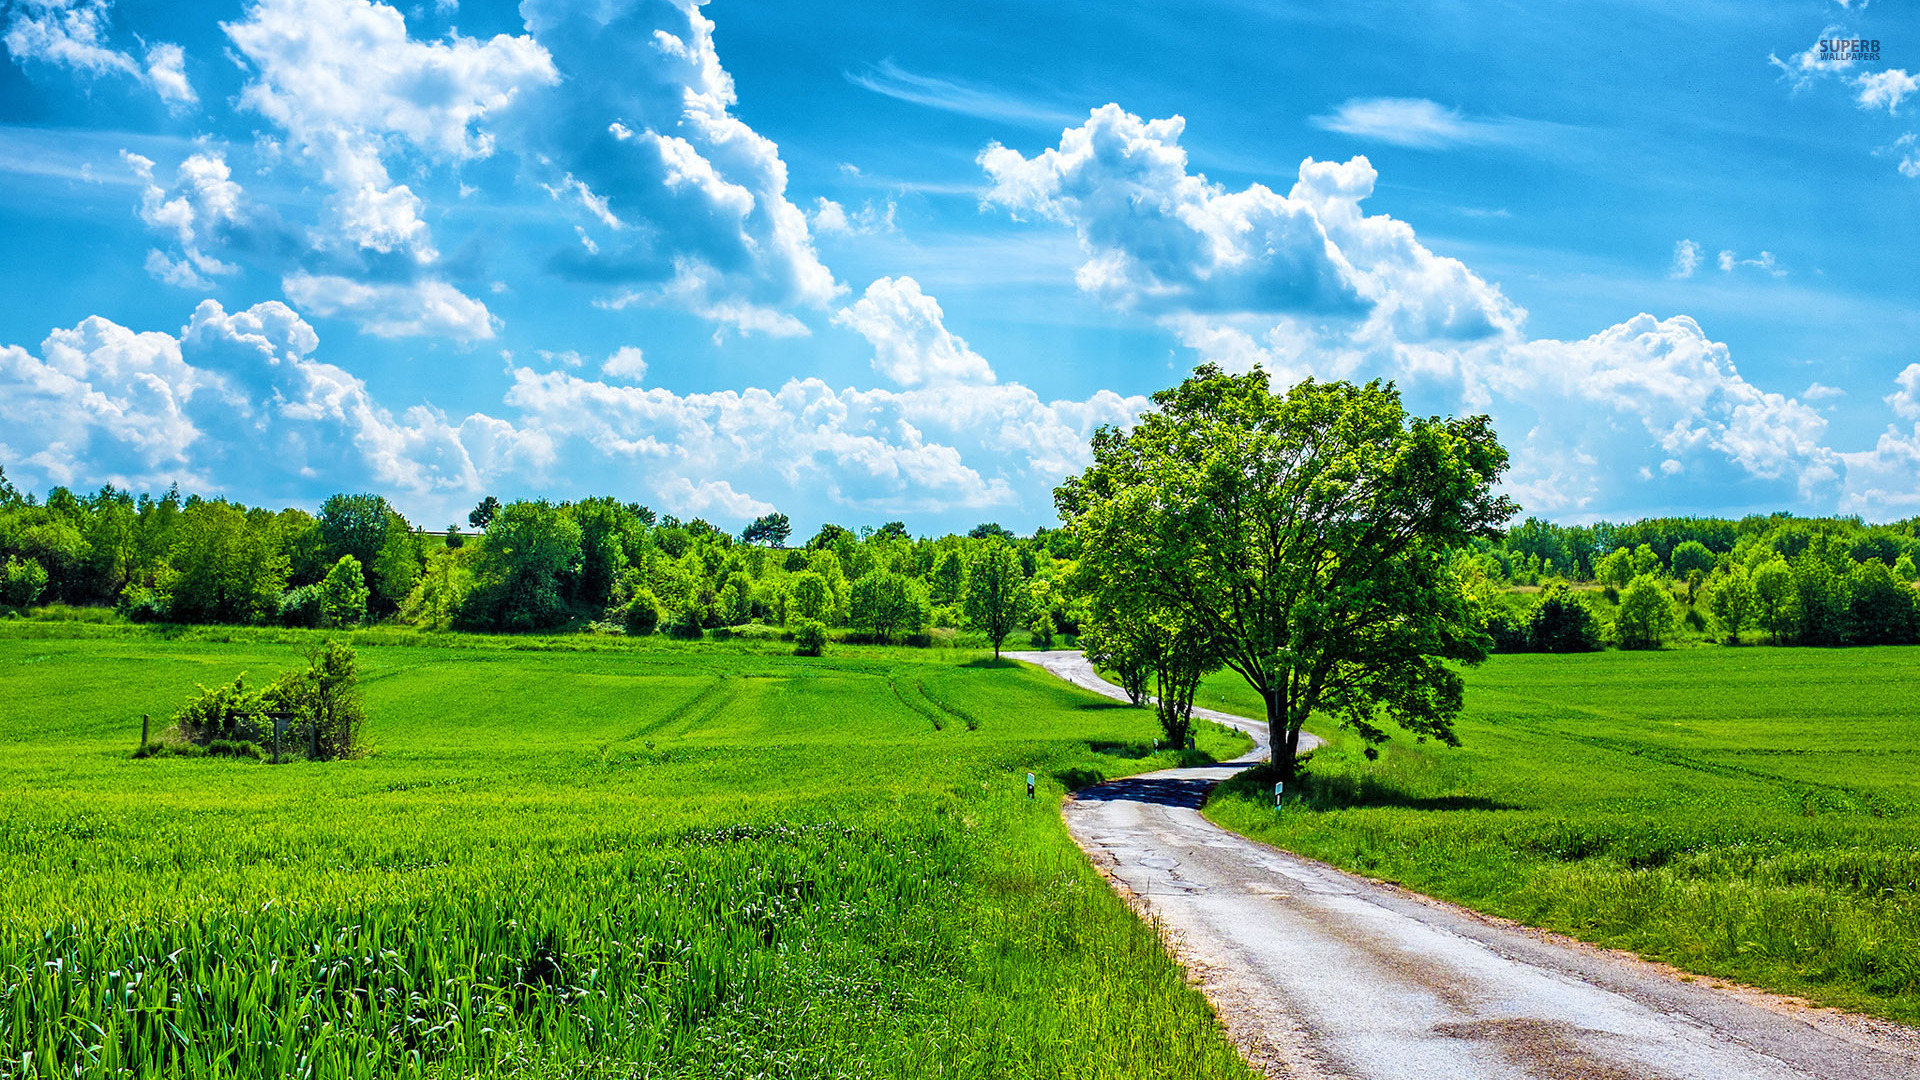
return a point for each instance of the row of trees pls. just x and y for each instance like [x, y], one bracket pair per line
[534, 565]
[1535, 549]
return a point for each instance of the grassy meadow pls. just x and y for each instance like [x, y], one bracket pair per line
[574, 857]
[1746, 813]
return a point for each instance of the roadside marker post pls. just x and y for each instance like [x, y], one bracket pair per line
[1279, 790]
[1029, 785]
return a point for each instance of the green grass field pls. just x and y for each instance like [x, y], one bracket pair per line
[574, 857]
[1749, 813]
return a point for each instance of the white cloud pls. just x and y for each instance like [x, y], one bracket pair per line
[1804, 68]
[1167, 241]
[911, 343]
[1906, 400]
[1819, 391]
[1886, 88]
[1646, 398]
[202, 206]
[1686, 259]
[349, 87]
[626, 363]
[418, 309]
[1765, 262]
[642, 119]
[1159, 238]
[710, 497]
[1414, 122]
[830, 218]
[74, 34]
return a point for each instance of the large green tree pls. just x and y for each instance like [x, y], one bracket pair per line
[1309, 534]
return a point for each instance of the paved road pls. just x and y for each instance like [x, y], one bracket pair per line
[1319, 973]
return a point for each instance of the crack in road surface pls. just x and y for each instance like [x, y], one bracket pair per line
[1321, 973]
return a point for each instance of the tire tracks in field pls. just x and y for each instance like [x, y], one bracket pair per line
[1321, 973]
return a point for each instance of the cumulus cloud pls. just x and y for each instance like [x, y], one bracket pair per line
[911, 343]
[233, 401]
[1592, 421]
[201, 207]
[1886, 89]
[349, 86]
[413, 309]
[242, 402]
[1166, 241]
[642, 118]
[74, 34]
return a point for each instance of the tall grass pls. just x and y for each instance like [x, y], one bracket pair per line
[702, 860]
[1751, 813]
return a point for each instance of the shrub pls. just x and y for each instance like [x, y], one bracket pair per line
[143, 605]
[304, 606]
[641, 615]
[22, 582]
[343, 595]
[809, 637]
[1561, 623]
[1041, 627]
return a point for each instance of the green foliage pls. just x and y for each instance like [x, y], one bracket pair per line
[1903, 568]
[1734, 602]
[1880, 607]
[640, 615]
[1751, 815]
[1646, 561]
[887, 605]
[770, 529]
[305, 606]
[1309, 534]
[530, 548]
[483, 514]
[1616, 569]
[809, 597]
[22, 582]
[1040, 626]
[809, 637]
[1560, 623]
[1692, 557]
[1646, 618]
[996, 592]
[222, 568]
[343, 595]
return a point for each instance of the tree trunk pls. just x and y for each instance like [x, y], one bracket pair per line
[1280, 741]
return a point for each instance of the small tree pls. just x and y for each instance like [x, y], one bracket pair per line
[809, 598]
[343, 594]
[327, 695]
[1690, 557]
[483, 515]
[1646, 561]
[770, 529]
[1041, 627]
[887, 603]
[1881, 607]
[1732, 600]
[996, 591]
[1778, 605]
[1646, 615]
[1615, 570]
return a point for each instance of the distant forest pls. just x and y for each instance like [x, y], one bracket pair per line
[603, 563]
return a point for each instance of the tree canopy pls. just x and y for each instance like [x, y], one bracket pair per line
[1308, 534]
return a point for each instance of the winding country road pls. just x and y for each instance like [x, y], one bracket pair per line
[1320, 973]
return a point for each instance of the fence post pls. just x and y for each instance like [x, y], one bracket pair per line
[143, 730]
[278, 723]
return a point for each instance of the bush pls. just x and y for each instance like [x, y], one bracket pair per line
[809, 637]
[22, 582]
[1561, 623]
[143, 605]
[641, 615]
[304, 606]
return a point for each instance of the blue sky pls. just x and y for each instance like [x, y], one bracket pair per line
[898, 260]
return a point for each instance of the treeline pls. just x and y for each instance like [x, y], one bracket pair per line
[1824, 581]
[528, 565]
[537, 565]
